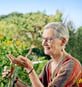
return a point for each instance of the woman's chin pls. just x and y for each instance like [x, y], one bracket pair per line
[47, 52]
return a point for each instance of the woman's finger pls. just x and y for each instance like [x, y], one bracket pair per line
[5, 74]
[8, 73]
[5, 68]
[11, 58]
[22, 58]
[18, 61]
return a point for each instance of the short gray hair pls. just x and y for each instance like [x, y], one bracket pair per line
[59, 28]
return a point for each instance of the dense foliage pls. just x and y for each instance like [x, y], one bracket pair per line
[20, 34]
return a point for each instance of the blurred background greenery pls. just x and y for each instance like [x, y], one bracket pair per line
[20, 34]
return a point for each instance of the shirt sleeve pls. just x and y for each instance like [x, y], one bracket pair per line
[42, 76]
[65, 76]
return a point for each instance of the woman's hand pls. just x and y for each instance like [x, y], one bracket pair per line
[21, 61]
[8, 73]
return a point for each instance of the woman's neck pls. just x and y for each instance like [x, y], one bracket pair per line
[58, 57]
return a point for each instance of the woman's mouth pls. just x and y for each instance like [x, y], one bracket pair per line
[48, 48]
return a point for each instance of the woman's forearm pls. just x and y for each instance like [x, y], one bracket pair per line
[35, 80]
[19, 84]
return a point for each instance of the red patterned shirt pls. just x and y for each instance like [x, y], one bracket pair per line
[65, 75]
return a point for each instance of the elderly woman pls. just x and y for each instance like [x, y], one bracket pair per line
[62, 70]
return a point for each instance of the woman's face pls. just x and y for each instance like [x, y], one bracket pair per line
[52, 47]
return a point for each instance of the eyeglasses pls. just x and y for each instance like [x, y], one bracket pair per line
[48, 40]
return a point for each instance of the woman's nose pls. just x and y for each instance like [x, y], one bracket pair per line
[44, 43]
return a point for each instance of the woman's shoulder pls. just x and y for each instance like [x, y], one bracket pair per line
[71, 61]
[69, 57]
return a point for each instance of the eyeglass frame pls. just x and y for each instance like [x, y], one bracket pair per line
[48, 40]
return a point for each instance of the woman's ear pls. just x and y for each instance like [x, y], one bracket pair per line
[63, 41]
